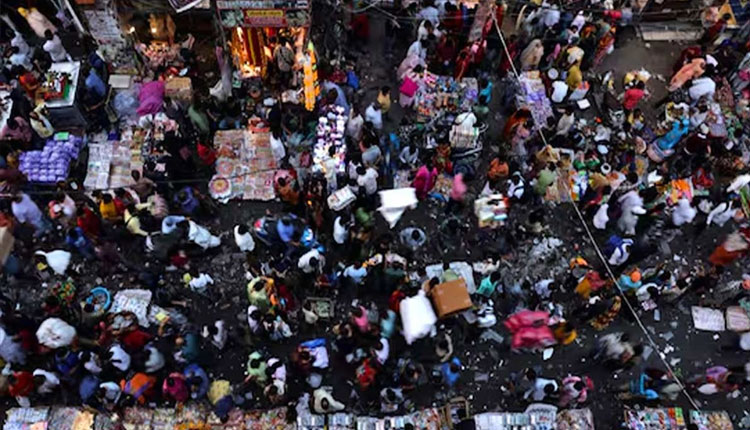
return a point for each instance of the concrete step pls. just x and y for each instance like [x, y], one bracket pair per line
[669, 32]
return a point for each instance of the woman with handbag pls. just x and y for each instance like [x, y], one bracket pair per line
[411, 81]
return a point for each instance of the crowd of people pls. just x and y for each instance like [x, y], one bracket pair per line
[637, 173]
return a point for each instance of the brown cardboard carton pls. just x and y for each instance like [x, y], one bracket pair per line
[450, 297]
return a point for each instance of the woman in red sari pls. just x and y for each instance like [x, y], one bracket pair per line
[605, 44]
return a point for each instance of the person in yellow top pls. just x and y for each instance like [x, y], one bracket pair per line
[107, 208]
[575, 77]
[384, 98]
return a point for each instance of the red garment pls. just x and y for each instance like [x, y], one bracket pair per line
[179, 390]
[366, 374]
[446, 52]
[29, 342]
[632, 97]
[703, 179]
[119, 206]
[287, 295]
[453, 21]
[361, 26]
[89, 222]
[29, 82]
[135, 340]
[714, 31]
[530, 329]
[206, 154]
[394, 302]
[24, 385]
[178, 260]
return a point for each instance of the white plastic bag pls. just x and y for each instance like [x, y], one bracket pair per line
[55, 333]
[417, 316]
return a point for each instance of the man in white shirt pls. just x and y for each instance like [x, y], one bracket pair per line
[382, 350]
[54, 47]
[340, 230]
[110, 392]
[430, 12]
[119, 358]
[543, 387]
[374, 115]
[19, 42]
[368, 178]
[46, 382]
[354, 125]
[26, 211]
[426, 29]
[417, 49]
[566, 122]
[702, 87]
[18, 58]
[311, 261]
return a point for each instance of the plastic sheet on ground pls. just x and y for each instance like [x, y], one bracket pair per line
[707, 319]
[135, 301]
[26, 419]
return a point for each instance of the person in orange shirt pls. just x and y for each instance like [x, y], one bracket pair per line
[139, 387]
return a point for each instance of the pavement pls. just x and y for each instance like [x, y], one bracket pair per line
[488, 364]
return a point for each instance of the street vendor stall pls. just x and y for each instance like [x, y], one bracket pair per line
[245, 166]
[535, 417]
[114, 44]
[59, 92]
[655, 419]
[51, 164]
[330, 134]
[533, 96]
[113, 157]
[444, 95]
[711, 420]
[252, 24]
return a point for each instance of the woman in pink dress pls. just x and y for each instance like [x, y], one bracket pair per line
[425, 179]
[691, 70]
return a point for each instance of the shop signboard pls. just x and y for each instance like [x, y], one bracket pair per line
[261, 4]
[265, 17]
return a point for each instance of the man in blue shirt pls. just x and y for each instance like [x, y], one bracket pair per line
[451, 372]
[285, 229]
[340, 96]
[95, 84]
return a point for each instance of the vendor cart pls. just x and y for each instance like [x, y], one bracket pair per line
[466, 144]
[65, 111]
